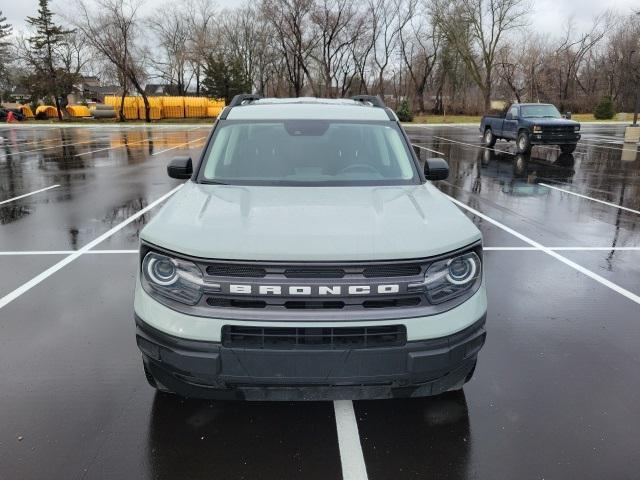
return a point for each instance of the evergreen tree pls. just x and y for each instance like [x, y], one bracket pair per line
[605, 109]
[225, 78]
[49, 78]
[404, 112]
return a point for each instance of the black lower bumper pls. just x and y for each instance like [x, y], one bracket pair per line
[542, 139]
[210, 370]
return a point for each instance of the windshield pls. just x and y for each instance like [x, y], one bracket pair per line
[539, 111]
[308, 152]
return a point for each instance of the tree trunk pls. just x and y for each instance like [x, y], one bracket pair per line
[198, 80]
[147, 109]
[121, 109]
[58, 109]
[487, 99]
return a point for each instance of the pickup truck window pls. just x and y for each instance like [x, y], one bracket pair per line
[308, 153]
[513, 113]
[539, 111]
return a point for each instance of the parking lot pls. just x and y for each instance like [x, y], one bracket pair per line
[556, 393]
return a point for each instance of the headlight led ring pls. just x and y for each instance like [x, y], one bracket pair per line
[162, 271]
[461, 270]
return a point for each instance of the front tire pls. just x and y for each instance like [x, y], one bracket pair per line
[523, 145]
[488, 138]
[568, 148]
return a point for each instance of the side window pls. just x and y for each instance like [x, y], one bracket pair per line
[514, 112]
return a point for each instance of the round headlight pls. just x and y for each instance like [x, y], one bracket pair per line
[461, 270]
[162, 270]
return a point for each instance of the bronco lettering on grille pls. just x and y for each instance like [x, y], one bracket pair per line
[319, 290]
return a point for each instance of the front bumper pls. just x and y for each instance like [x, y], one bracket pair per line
[550, 139]
[202, 369]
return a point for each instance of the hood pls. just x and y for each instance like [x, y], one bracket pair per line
[559, 122]
[310, 223]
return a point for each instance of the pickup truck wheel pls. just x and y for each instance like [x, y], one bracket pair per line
[568, 148]
[523, 145]
[489, 138]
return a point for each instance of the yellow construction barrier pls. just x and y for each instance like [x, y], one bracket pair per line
[173, 107]
[195, 107]
[48, 110]
[214, 107]
[167, 107]
[130, 109]
[26, 111]
[155, 108]
[78, 111]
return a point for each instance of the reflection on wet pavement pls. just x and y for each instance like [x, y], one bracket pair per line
[556, 393]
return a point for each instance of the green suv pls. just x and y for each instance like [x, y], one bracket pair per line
[309, 257]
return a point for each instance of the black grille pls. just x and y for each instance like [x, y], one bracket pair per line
[314, 272]
[400, 270]
[554, 129]
[314, 338]
[305, 304]
[234, 303]
[392, 302]
[230, 270]
[314, 304]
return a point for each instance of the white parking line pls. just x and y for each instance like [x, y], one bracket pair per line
[590, 198]
[616, 288]
[17, 253]
[111, 148]
[564, 249]
[28, 194]
[178, 146]
[351, 457]
[47, 148]
[11, 296]
[428, 149]
[476, 146]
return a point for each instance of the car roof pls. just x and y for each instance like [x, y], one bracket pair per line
[307, 108]
[530, 104]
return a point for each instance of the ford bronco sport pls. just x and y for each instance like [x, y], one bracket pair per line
[308, 256]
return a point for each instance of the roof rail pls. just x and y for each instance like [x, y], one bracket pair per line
[244, 97]
[374, 100]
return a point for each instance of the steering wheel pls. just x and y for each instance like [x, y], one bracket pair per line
[359, 166]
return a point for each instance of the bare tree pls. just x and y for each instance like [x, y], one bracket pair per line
[110, 27]
[172, 31]
[388, 18]
[476, 29]
[569, 55]
[200, 15]
[290, 20]
[419, 46]
[338, 25]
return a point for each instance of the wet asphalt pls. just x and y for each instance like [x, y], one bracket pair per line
[556, 393]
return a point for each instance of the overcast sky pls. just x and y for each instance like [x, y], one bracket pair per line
[547, 15]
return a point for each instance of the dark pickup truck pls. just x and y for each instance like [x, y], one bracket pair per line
[531, 124]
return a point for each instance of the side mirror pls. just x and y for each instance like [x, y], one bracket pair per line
[436, 169]
[180, 167]
[567, 115]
